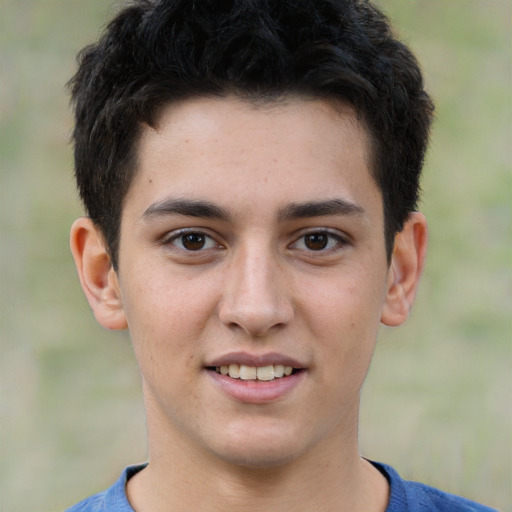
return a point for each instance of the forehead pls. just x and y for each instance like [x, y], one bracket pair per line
[230, 147]
[198, 111]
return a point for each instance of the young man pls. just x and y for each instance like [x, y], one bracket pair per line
[250, 171]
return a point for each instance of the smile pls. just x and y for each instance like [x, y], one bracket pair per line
[256, 378]
[263, 373]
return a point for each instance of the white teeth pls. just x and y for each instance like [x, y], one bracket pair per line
[278, 370]
[264, 373]
[234, 371]
[247, 372]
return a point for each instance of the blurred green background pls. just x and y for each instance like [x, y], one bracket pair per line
[437, 403]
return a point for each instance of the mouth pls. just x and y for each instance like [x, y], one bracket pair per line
[256, 378]
[256, 373]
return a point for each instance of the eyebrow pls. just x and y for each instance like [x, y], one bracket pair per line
[293, 211]
[188, 207]
[319, 209]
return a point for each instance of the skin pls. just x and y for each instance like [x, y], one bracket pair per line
[251, 275]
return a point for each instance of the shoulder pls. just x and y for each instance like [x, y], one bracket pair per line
[114, 499]
[407, 496]
[94, 503]
[434, 499]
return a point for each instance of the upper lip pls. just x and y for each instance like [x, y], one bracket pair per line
[247, 359]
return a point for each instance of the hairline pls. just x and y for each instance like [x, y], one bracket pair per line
[259, 100]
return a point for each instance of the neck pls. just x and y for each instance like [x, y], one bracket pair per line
[182, 476]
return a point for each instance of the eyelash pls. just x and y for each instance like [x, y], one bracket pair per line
[333, 241]
[180, 234]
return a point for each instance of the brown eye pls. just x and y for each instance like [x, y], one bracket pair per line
[188, 241]
[323, 242]
[316, 241]
[193, 241]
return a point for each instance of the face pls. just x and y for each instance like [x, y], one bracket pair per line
[252, 246]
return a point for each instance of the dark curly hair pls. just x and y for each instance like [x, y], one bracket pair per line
[159, 51]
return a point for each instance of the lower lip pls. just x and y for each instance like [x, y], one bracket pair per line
[257, 391]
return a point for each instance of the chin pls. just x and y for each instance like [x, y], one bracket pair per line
[258, 459]
[261, 452]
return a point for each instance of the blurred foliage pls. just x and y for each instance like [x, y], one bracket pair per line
[437, 403]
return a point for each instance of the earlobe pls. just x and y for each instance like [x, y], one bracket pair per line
[98, 279]
[405, 271]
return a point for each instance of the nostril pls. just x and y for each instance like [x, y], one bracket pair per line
[255, 318]
[254, 301]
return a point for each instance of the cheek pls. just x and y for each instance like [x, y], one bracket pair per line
[166, 319]
[351, 296]
[166, 298]
[344, 314]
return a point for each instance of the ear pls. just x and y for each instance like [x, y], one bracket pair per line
[98, 278]
[407, 263]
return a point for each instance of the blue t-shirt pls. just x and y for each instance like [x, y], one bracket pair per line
[404, 496]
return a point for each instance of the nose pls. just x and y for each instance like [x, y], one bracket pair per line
[256, 298]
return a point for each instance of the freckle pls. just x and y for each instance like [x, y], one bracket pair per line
[150, 180]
